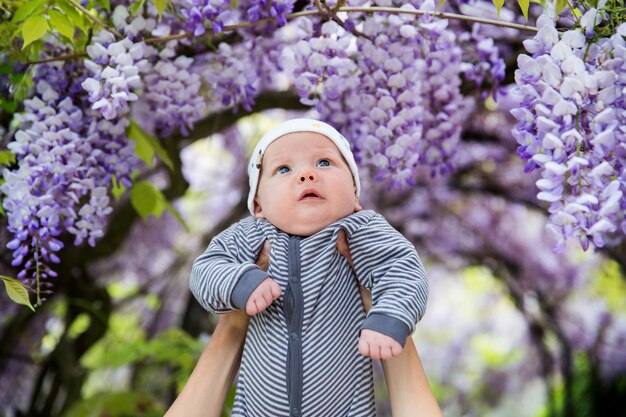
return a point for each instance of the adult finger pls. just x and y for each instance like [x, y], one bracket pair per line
[263, 260]
[366, 297]
[343, 248]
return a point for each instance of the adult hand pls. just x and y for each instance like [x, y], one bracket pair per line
[344, 250]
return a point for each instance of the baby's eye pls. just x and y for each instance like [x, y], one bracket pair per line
[283, 170]
[323, 163]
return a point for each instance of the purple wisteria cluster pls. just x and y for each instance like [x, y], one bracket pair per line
[395, 91]
[277, 10]
[215, 14]
[115, 69]
[134, 27]
[484, 44]
[198, 13]
[172, 99]
[323, 66]
[483, 64]
[237, 73]
[232, 76]
[66, 157]
[71, 147]
[572, 127]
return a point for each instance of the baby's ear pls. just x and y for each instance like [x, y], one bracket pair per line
[258, 211]
[357, 206]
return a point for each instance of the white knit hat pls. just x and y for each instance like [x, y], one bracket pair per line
[291, 126]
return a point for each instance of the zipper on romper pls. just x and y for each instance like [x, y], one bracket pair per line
[294, 301]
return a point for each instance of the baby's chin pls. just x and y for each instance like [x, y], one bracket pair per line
[307, 228]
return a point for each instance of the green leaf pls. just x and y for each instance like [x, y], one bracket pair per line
[82, 40]
[609, 285]
[149, 200]
[16, 78]
[147, 146]
[17, 291]
[160, 6]
[22, 83]
[27, 9]
[61, 23]
[136, 6]
[6, 69]
[143, 150]
[441, 3]
[498, 4]
[79, 325]
[105, 4]
[74, 15]
[7, 158]
[524, 5]
[34, 28]
[8, 106]
[560, 5]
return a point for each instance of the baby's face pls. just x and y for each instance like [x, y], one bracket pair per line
[304, 184]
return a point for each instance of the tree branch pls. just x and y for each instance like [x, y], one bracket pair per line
[320, 11]
[266, 100]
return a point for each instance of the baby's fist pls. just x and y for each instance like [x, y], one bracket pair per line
[262, 296]
[378, 345]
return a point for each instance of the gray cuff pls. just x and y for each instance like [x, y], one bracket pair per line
[387, 325]
[247, 283]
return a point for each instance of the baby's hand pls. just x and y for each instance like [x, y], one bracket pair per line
[378, 345]
[262, 296]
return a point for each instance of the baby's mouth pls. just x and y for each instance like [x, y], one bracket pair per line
[309, 195]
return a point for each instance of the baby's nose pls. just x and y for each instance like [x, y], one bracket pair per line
[306, 175]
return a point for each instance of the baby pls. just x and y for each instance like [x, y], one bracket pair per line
[308, 348]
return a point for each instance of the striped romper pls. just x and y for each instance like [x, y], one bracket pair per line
[301, 355]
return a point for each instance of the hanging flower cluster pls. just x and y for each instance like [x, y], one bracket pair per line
[572, 120]
[396, 95]
[66, 157]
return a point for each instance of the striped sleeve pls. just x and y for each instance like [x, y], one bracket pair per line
[387, 264]
[223, 277]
